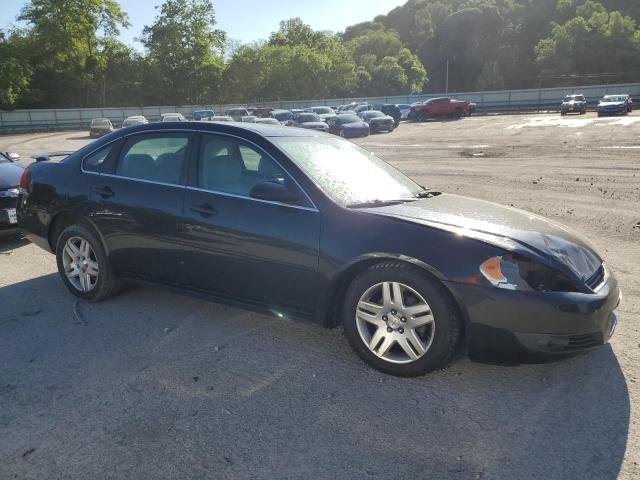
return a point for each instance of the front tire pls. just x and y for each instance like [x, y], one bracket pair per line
[84, 265]
[400, 321]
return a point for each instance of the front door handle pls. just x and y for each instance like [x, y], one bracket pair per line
[205, 210]
[104, 192]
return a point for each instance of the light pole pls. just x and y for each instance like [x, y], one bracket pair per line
[446, 82]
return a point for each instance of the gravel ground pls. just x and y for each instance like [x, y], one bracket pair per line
[158, 385]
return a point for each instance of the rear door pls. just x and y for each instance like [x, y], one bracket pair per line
[243, 248]
[140, 204]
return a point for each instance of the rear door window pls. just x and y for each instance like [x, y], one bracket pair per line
[94, 162]
[155, 157]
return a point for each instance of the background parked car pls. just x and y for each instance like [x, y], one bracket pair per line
[10, 172]
[473, 108]
[378, 121]
[361, 107]
[325, 113]
[443, 107]
[405, 108]
[134, 120]
[238, 113]
[219, 118]
[201, 114]
[629, 103]
[99, 127]
[348, 125]
[249, 119]
[173, 117]
[268, 121]
[614, 105]
[285, 117]
[574, 104]
[262, 112]
[312, 121]
[391, 110]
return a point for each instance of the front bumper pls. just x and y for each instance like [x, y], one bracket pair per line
[518, 326]
[612, 111]
[381, 126]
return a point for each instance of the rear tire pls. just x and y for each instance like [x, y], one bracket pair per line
[95, 280]
[414, 346]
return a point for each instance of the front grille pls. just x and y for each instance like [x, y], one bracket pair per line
[587, 340]
[596, 279]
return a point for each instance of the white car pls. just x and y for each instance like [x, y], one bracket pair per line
[173, 117]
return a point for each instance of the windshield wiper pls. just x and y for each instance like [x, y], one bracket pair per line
[382, 203]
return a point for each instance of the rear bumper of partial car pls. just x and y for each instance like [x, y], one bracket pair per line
[518, 326]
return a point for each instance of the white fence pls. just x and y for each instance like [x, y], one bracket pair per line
[488, 102]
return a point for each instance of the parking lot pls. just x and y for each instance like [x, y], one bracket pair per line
[158, 385]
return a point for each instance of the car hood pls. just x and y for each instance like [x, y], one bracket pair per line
[506, 227]
[381, 119]
[10, 174]
[314, 125]
[611, 104]
[355, 125]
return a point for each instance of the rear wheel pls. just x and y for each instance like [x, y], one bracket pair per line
[400, 321]
[83, 264]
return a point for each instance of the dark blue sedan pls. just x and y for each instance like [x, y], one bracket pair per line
[304, 225]
[349, 125]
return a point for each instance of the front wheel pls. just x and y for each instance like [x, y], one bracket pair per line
[400, 321]
[83, 264]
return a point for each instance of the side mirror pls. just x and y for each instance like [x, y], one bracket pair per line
[273, 192]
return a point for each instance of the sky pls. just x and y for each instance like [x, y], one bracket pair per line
[246, 20]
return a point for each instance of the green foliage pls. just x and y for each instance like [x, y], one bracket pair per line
[68, 53]
[595, 40]
[185, 52]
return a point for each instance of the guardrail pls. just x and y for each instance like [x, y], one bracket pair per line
[509, 101]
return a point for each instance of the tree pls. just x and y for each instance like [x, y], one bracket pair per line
[385, 67]
[185, 52]
[16, 71]
[595, 41]
[65, 46]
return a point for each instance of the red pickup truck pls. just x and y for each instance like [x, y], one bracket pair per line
[441, 107]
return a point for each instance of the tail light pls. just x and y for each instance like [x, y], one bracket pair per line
[24, 181]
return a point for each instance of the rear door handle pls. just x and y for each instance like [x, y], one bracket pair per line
[205, 210]
[104, 192]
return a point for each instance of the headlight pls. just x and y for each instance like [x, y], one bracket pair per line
[11, 192]
[510, 272]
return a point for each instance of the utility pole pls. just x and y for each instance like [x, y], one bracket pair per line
[446, 82]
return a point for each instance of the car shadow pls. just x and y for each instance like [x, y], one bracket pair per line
[8, 244]
[252, 386]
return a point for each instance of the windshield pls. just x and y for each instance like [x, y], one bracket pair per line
[613, 98]
[373, 114]
[347, 173]
[100, 122]
[349, 119]
[321, 110]
[308, 117]
[574, 98]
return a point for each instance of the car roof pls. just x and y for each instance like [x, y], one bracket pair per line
[232, 128]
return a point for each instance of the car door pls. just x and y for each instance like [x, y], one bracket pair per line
[242, 248]
[140, 204]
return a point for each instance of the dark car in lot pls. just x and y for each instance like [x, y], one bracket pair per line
[349, 125]
[100, 127]
[285, 117]
[573, 104]
[202, 114]
[10, 172]
[311, 121]
[615, 105]
[391, 110]
[378, 121]
[303, 225]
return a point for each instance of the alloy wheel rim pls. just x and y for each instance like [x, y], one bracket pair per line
[395, 322]
[80, 264]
